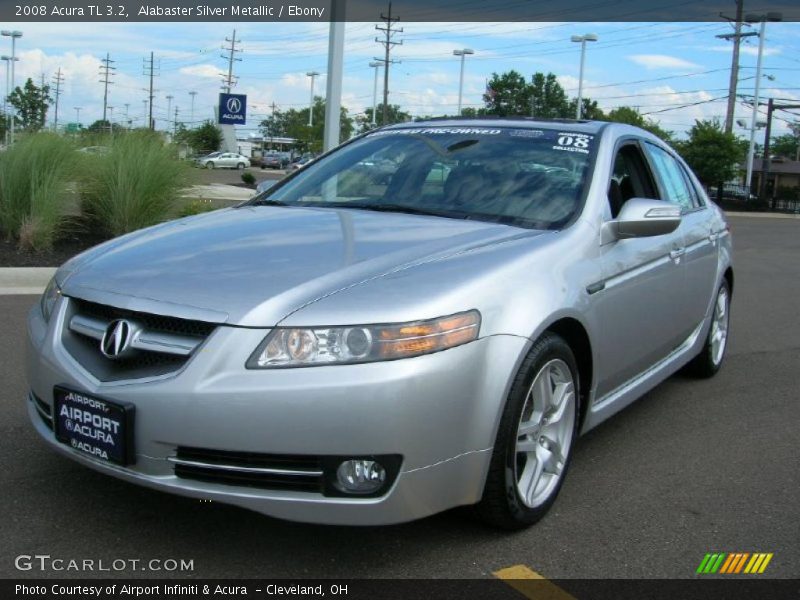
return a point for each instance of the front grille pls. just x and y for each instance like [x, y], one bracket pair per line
[266, 471]
[164, 345]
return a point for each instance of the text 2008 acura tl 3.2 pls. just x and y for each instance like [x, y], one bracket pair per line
[366, 348]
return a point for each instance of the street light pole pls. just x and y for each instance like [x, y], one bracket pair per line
[582, 39]
[6, 116]
[462, 53]
[375, 65]
[311, 74]
[13, 35]
[751, 149]
[191, 110]
[78, 115]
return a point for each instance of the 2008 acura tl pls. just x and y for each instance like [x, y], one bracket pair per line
[426, 317]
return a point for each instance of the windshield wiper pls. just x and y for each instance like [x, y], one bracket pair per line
[268, 202]
[395, 208]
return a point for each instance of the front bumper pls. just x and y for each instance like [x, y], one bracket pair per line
[439, 412]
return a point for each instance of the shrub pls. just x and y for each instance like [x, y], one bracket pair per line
[33, 180]
[134, 185]
[196, 207]
[248, 178]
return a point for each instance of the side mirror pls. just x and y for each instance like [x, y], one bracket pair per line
[642, 217]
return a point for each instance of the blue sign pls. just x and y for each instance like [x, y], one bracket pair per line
[232, 109]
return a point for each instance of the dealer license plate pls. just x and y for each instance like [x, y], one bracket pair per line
[99, 428]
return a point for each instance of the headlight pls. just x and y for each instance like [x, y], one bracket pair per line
[49, 298]
[301, 347]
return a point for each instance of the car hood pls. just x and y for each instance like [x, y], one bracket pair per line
[254, 265]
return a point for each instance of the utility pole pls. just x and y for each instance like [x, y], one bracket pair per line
[149, 71]
[106, 70]
[175, 124]
[232, 50]
[736, 37]
[191, 111]
[57, 80]
[111, 119]
[388, 43]
[44, 104]
[766, 159]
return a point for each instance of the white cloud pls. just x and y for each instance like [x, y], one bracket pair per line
[206, 70]
[750, 50]
[661, 61]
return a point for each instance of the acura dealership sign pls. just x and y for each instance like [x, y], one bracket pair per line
[232, 109]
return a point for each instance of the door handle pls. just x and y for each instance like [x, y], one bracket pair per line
[677, 253]
[713, 237]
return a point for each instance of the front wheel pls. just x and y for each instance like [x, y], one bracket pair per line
[709, 360]
[535, 438]
[209, 165]
[240, 166]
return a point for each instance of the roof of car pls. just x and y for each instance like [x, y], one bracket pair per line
[578, 126]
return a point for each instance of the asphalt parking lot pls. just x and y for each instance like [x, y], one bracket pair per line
[693, 467]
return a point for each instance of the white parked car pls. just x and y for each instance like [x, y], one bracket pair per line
[224, 160]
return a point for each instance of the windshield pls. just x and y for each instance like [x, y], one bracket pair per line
[525, 177]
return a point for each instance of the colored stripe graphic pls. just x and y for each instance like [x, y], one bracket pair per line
[733, 563]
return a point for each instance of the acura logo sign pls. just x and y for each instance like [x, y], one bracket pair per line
[116, 341]
[234, 105]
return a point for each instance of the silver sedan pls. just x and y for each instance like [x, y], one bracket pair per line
[368, 348]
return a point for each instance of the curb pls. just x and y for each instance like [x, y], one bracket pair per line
[763, 215]
[24, 280]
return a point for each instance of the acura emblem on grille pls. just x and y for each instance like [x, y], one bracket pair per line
[116, 341]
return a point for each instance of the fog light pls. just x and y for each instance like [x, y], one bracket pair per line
[360, 476]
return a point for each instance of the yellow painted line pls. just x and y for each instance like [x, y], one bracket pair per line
[755, 558]
[764, 564]
[531, 585]
[757, 564]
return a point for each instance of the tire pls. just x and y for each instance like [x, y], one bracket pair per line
[240, 166]
[710, 358]
[514, 497]
[209, 165]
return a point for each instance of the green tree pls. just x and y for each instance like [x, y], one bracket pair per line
[590, 110]
[394, 114]
[713, 154]
[31, 103]
[548, 100]
[786, 145]
[294, 124]
[206, 138]
[507, 94]
[631, 116]
[3, 125]
[99, 126]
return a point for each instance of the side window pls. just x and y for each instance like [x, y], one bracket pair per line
[630, 178]
[673, 179]
[697, 197]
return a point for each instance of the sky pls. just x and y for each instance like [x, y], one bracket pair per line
[673, 72]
